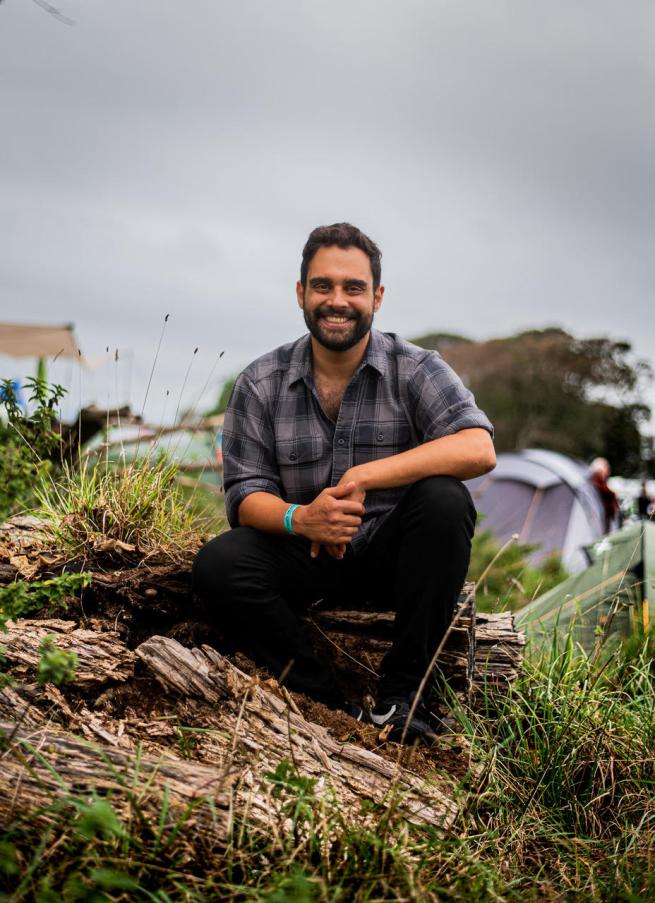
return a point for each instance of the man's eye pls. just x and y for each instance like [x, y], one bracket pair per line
[355, 289]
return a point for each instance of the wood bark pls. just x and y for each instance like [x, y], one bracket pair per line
[255, 730]
[482, 652]
[269, 729]
[40, 765]
[101, 656]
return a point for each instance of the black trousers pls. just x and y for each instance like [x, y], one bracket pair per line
[255, 584]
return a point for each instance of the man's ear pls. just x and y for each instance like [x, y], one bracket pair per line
[377, 297]
[300, 293]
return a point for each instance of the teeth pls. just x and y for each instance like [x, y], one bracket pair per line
[337, 319]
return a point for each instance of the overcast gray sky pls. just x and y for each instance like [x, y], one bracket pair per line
[165, 157]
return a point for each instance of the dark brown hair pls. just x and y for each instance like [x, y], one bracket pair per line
[341, 235]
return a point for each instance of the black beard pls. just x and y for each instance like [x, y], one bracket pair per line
[363, 323]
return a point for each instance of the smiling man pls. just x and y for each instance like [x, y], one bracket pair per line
[344, 453]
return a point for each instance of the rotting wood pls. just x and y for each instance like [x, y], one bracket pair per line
[41, 765]
[499, 652]
[483, 651]
[256, 731]
[269, 730]
[17, 704]
[101, 656]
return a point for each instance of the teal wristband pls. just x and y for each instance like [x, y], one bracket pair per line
[288, 518]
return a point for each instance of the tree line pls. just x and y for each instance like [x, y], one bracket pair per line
[548, 389]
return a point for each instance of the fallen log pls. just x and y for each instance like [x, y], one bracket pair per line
[498, 652]
[482, 652]
[101, 656]
[41, 765]
[256, 731]
[268, 729]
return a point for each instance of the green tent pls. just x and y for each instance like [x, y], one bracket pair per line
[614, 596]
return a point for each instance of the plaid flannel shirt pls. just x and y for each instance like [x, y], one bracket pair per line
[277, 439]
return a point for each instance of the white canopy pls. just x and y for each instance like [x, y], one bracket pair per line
[26, 340]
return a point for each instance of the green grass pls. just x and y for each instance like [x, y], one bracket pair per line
[509, 580]
[206, 503]
[560, 805]
[93, 507]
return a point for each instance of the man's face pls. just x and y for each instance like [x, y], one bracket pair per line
[338, 301]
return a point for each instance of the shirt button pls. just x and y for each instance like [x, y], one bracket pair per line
[293, 456]
[380, 437]
[341, 441]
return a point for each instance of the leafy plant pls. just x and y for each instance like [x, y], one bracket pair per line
[21, 598]
[56, 666]
[27, 441]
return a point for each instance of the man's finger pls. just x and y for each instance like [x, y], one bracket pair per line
[314, 549]
[350, 520]
[354, 508]
[340, 491]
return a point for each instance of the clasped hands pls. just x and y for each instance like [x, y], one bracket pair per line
[333, 518]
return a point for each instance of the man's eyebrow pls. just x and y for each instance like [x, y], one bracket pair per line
[348, 283]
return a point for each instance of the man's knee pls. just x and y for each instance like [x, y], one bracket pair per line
[442, 501]
[218, 564]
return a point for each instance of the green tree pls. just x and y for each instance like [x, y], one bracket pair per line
[549, 389]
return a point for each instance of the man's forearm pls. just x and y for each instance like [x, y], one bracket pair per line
[467, 454]
[264, 511]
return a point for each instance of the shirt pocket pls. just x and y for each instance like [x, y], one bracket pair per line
[303, 462]
[380, 440]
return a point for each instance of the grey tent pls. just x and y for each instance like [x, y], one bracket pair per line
[546, 498]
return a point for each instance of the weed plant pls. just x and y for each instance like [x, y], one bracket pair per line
[27, 441]
[22, 597]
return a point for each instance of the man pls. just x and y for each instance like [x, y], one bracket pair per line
[343, 455]
[600, 474]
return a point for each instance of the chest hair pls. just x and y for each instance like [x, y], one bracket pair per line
[330, 394]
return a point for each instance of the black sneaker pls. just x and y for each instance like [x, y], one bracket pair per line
[355, 711]
[393, 713]
[345, 705]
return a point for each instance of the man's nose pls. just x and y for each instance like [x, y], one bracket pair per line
[339, 297]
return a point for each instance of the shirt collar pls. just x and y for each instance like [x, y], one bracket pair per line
[375, 355]
[300, 363]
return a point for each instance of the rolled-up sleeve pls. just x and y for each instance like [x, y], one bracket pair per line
[249, 463]
[441, 402]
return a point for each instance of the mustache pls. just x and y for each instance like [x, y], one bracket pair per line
[331, 312]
